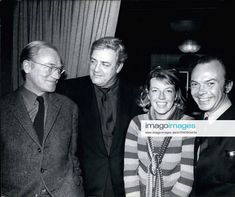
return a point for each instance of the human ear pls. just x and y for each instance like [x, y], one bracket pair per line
[26, 66]
[228, 86]
[119, 68]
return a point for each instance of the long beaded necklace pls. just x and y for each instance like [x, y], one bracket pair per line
[154, 186]
[154, 171]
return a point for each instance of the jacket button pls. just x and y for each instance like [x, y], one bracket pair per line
[39, 150]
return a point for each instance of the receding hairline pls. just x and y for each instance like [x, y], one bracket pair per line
[210, 63]
[47, 48]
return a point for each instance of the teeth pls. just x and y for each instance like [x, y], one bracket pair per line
[162, 103]
[203, 99]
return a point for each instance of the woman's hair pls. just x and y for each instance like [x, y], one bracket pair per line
[165, 74]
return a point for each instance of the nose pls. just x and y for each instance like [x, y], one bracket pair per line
[96, 67]
[202, 89]
[161, 96]
[56, 74]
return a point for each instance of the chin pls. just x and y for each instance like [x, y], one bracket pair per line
[162, 112]
[98, 83]
[95, 80]
[204, 108]
[51, 89]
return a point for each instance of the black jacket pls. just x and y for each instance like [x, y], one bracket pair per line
[215, 169]
[93, 156]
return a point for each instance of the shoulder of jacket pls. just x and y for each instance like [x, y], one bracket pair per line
[62, 98]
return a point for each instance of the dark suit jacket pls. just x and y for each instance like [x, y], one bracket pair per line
[93, 156]
[215, 170]
[27, 166]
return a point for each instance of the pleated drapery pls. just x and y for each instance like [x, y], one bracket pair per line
[70, 25]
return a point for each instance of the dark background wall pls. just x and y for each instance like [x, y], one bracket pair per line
[153, 28]
[150, 28]
[6, 20]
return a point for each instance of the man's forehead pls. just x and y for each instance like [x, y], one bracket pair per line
[105, 55]
[207, 71]
[43, 50]
[47, 53]
[103, 50]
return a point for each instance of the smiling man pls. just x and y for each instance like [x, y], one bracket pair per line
[106, 106]
[214, 170]
[209, 88]
[39, 131]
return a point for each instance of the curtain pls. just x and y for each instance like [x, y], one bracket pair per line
[70, 25]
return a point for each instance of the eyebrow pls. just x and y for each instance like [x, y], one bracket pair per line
[169, 87]
[103, 62]
[213, 79]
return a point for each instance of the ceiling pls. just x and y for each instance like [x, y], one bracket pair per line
[159, 25]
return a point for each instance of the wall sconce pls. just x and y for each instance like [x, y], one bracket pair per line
[189, 46]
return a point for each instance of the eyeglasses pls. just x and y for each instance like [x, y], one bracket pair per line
[52, 69]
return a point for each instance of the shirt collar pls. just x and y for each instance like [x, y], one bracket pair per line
[30, 97]
[112, 89]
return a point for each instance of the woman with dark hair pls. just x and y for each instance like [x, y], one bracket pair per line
[159, 166]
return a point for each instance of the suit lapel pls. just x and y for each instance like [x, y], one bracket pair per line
[122, 116]
[19, 110]
[54, 106]
[90, 112]
[97, 124]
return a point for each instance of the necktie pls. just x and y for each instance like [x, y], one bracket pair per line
[39, 119]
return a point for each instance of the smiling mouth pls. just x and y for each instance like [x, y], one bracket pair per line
[161, 103]
[53, 81]
[96, 75]
[203, 99]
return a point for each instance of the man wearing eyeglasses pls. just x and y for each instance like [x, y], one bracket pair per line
[39, 131]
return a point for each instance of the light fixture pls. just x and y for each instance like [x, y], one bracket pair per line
[188, 28]
[189, 46]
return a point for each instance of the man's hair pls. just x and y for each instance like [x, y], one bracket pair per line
[207, 59]
[111, 43]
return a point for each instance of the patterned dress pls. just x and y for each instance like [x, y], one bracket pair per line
[176, 165]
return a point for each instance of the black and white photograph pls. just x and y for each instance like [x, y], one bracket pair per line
[80, 77]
